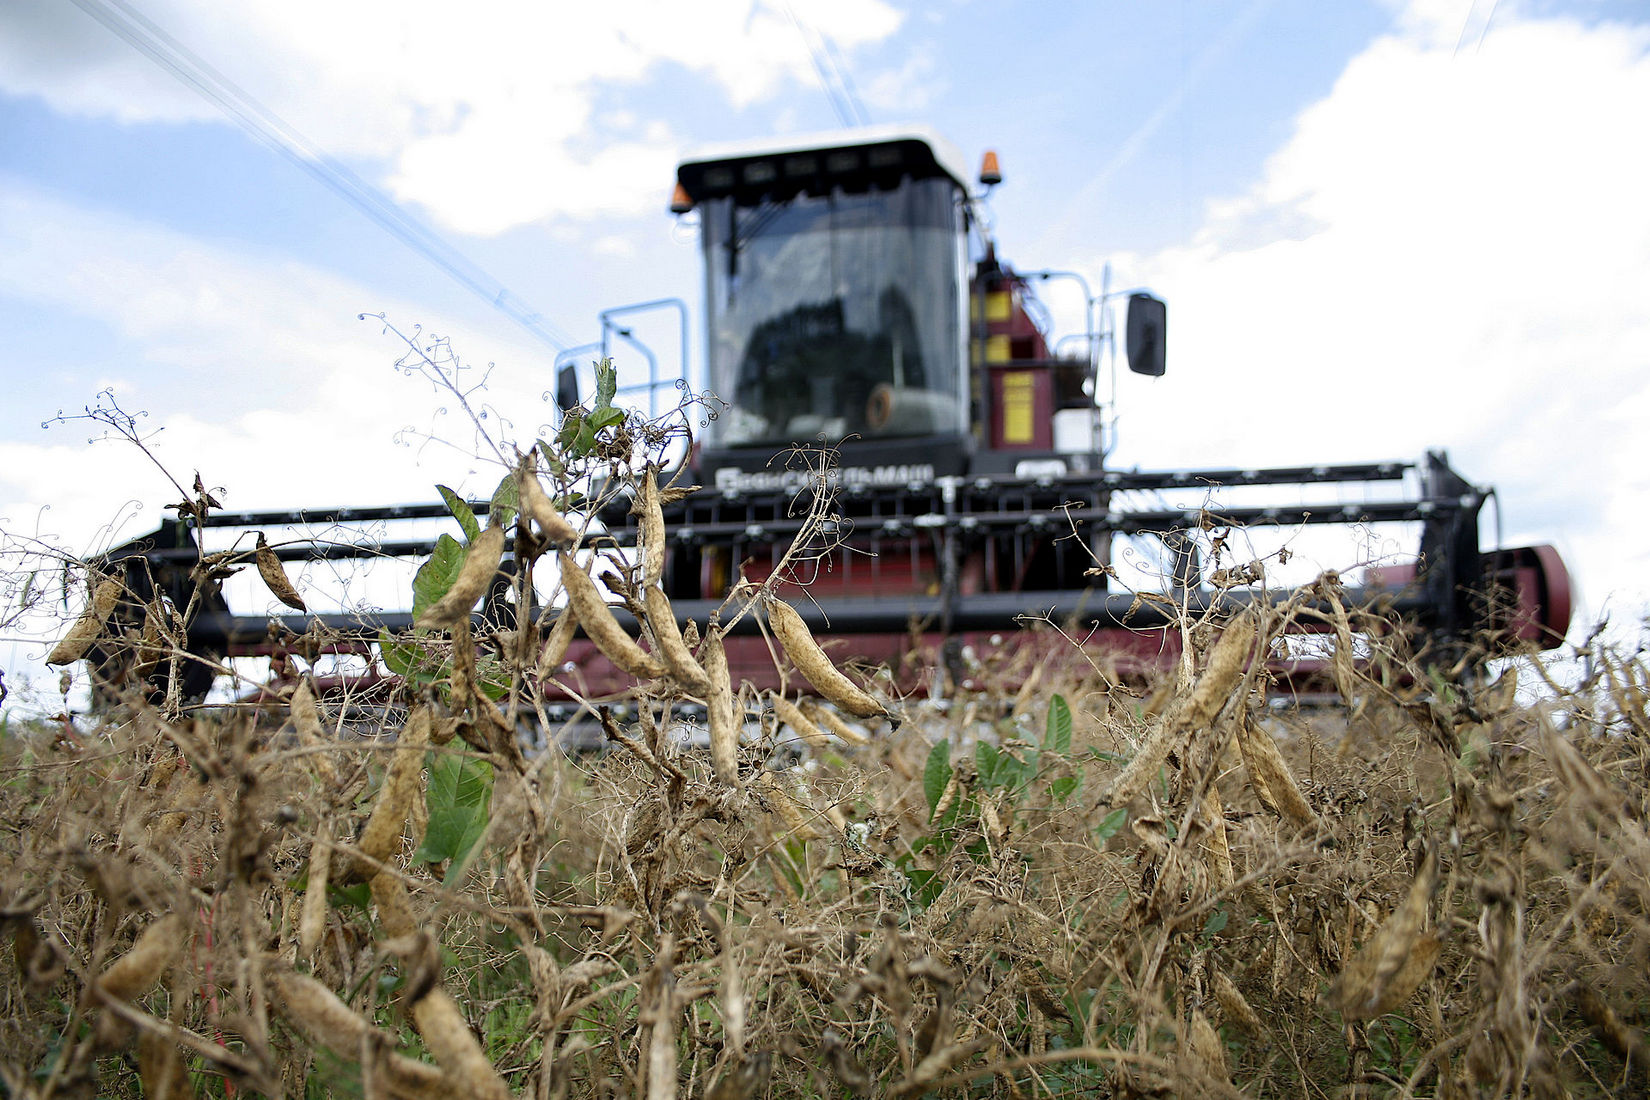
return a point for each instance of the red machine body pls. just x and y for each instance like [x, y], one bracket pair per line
[854, 302]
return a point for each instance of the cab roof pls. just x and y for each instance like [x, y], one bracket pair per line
[775, 169]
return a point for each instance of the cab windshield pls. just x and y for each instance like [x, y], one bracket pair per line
[837, 315]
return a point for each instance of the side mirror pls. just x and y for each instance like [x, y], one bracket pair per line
[567, 387]
[1147, 337]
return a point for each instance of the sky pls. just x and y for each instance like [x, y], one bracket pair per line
[1381, 227]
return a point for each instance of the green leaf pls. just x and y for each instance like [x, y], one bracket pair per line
[359, 895]
[792, 868]
[569, 431]
[1057, 738]
[1112, 825]
[936, 773]
[607, 384]
[577, 437]
[460, 792]
[461, 511]
[1061, 788]
[925, 886]
[1019, 771]
[437, 575]
[506, 501]
[551, 458]
[411, 661]
[493, 678]
[606, 418]
[1217, 921]
[987, 762]
[399, 658]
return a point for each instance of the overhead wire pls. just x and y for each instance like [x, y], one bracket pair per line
[833, 79]
[844, 77]
[1215, 52]
[1466, 24]
[151, 40]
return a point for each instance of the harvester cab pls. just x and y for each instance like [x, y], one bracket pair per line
[854, 297]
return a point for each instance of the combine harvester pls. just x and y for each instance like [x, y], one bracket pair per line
[854, 300]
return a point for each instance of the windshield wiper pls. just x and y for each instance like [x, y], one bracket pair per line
[761, 217]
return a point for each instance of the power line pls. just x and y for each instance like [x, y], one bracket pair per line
[1466, 23]
[832, 73]
[845, 77]
[151, 40]
[1086, 197]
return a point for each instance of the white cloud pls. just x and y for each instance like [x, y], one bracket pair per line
[622, 248]
[487, 113]
[259, 372]
[908, 91]
[1452, 249]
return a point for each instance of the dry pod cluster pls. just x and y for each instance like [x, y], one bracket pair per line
[537, 508]
[141, 969]
[330, 1023]
[312, 735]
[684, 668]
[791, 715]
[1388, 969]
[274, 575]
[650, 535]
[818, 669]
[556, 642]
[899, 922]
[381, 837]
[1228, 660]
[78, 641]
[601, 627]
[721, 715]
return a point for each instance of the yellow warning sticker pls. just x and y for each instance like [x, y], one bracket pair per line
[1018, 388]
[999, 306]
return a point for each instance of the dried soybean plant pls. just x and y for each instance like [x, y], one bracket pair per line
[1058, 884]
[235, 849]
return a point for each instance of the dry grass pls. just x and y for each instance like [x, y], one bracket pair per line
[1085, 892]
[1447, 900]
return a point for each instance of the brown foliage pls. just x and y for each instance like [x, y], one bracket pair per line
[1427, 889]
